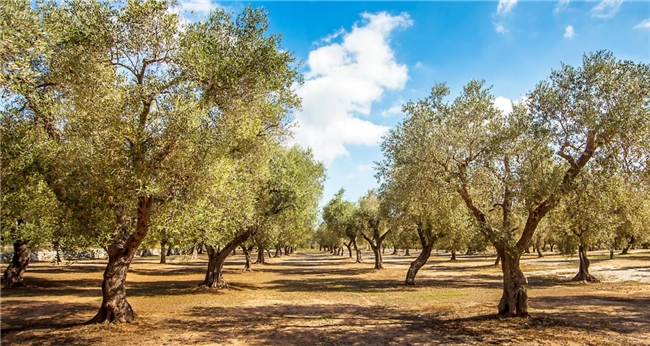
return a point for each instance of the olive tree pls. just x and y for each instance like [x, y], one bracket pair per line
[512, 169]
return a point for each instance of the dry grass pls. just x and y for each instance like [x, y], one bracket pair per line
[316, 298]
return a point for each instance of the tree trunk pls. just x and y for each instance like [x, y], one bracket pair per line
[453, 255]
[163, 255]
[348, 245]
[170, 250]
[552, 245]
[514, 301]
[379, 263]
[537, 247]
[497, 260]
[357, 251]
[115, 308]
[216, 258]
[200, 250]
[214, 276]
[583, 270]
[420, 261]
[247, 255]
[611, 254]
[278, 252]
[13, 275]
[407, 253]
[394, 251]
[260, 256]
[628, 246]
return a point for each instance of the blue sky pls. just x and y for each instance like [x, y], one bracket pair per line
[364, 59]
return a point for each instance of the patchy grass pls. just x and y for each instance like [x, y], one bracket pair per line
[317, 298]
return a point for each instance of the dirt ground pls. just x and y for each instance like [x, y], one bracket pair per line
[319, 299]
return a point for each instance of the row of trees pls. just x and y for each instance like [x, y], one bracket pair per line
[461, 172]
[121, 122]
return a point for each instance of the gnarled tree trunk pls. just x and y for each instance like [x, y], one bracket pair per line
[514, 301]
[247, 255]
[348, 245]
[357, 251]
[583, 271]
[421, 260]
[217, 257]
[628, 246]
[376, 242]
[13, 275]
[115, 308]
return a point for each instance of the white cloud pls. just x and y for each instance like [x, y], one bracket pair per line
[569, 32]
[606, 9]
[505, 6]
[418, 64]
[504, 104]
[498, 27]
[330, 37]
[343, 80]
[561, 6]
[645, 24]
[395, 109]
[360, 171]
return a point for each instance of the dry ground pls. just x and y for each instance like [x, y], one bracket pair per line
[316, 298]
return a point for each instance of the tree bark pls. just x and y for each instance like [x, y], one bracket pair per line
[115, 308]
[583, 270]
[217, 257]
[421, 260]
[348, 245]
[376, 242]
[406, 252]
[453, 255]
[611, 254]
[260, 256]
[514, 301]
[394, 251]
[278, 252]
[538, 248]
[13, 275]
[247, 255]
[357, 251]
[163, 255]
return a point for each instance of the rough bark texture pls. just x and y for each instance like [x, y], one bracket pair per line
[583, 271]
[421, 260]
[514, 301]
[13, 275]
[216, 258]
[115, 308]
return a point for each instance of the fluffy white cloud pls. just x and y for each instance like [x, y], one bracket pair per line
[395, 109]
[645, 24]
[569, 32]
[505, 6]
[606, 9]
[561, 6]
[498, 27]
[504, 104]
[342, 82]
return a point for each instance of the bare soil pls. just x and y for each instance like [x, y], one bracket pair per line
[319, 299]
